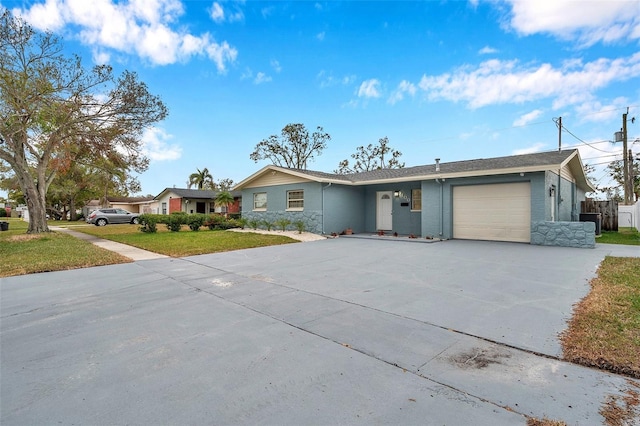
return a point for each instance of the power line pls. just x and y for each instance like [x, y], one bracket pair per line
[586, 143]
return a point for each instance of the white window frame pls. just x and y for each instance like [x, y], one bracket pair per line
[295, 200]
[255, 199]
[414, 198]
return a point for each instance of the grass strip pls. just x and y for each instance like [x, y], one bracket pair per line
[21, 253]
[185, 242]
[626, 236]
[604, 331]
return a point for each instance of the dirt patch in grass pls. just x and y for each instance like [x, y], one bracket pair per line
[622, 410]
[604, 331]
[25, 237]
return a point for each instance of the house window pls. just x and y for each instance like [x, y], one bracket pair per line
[164, 208]
[295, 200]
[260, 201]
[416, 199]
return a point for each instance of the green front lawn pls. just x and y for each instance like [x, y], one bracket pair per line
[186, 242]
[628, 236]
[21, 253]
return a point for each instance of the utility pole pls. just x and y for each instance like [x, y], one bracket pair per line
[631, 179]
[625, 167]
[559, 134]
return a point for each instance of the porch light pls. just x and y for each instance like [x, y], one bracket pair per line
[396, 193]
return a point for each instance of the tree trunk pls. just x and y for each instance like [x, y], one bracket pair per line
[72, 209]
[37, 211]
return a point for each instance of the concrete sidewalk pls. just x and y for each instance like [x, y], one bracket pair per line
[131, 252]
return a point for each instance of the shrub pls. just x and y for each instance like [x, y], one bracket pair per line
[283, 223]
[175, 222]
[254, 223]
[214, 221]
[148, 223]
[235, 216]
[267, 224]
[299, 224]
[3, 212]
[242, 222]
[195, 221]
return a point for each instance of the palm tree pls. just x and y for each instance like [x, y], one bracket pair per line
[202, 179]
[224, 199]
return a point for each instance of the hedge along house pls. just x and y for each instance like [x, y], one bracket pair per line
[499, 199]
[172, 200]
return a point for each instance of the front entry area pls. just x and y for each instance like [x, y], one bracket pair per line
[384, 210]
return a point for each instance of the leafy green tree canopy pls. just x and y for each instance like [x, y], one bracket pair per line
[54, 111]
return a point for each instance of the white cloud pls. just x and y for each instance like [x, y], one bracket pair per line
[588, 22]
[369, 89]
[100, 57]
[505, 82]
[487, 50]
[527, 118]
[45, 15]
[320, 36]
[146, 28]
[327, 79]
[156, 145]
[261, 78]
[405, 87]
[217, 13]
[276, 66]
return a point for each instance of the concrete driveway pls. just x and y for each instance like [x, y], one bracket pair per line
[340, 331]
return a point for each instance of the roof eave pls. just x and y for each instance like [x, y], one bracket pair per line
[474, 173]
[246, 182]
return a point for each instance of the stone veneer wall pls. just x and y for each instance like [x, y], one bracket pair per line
[564, 234]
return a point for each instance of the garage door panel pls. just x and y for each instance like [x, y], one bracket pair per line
[496, 212]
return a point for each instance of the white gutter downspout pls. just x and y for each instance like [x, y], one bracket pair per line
[323, 188]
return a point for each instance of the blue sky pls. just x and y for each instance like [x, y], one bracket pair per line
[454, 80]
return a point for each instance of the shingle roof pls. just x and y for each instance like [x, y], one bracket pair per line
[204, 194]
[539, 159]
[131, 200]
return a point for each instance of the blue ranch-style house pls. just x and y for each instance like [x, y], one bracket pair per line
[497, 199]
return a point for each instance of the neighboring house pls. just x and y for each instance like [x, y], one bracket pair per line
[194, 201]
[486, 199]
[131, 204]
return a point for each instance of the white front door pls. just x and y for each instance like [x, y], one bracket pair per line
[384, 210]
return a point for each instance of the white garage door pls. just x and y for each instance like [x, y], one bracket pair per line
[498, 212]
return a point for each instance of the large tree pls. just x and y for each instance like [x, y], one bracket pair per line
[293, 148]
[616, 172]
[224, 184]
[52, 109]
[372, 157]
[201, 179]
